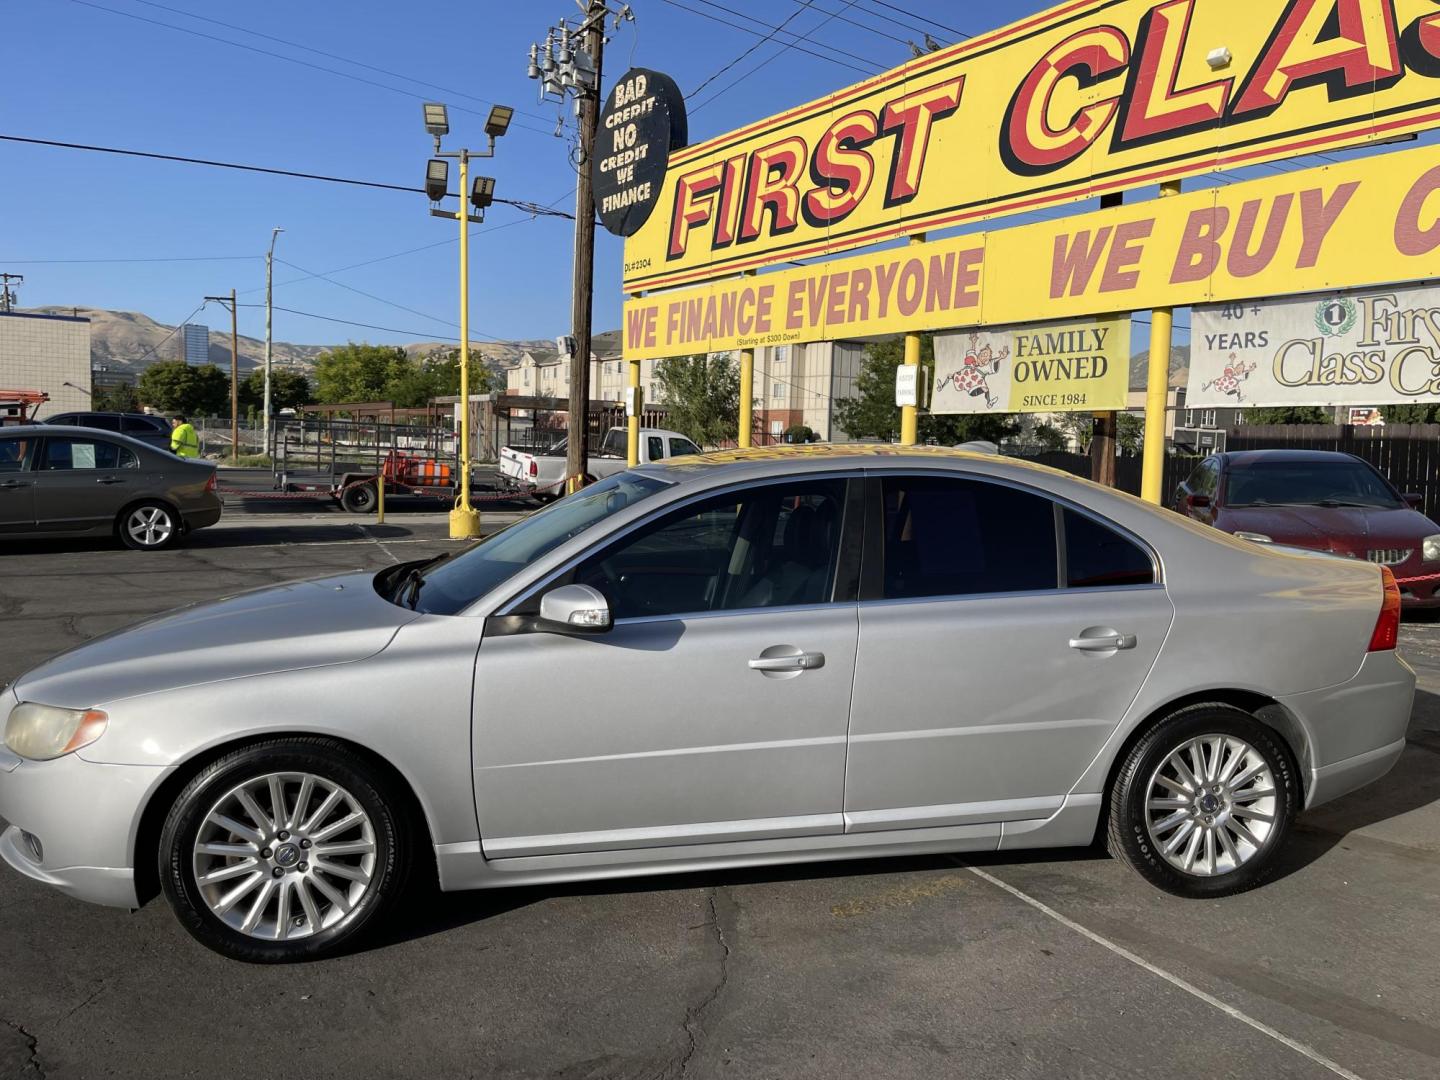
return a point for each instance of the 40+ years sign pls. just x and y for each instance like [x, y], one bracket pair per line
[1088, 97]
[1364, 347]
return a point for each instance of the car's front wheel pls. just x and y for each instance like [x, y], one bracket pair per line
[1203, 802]
[284, 850]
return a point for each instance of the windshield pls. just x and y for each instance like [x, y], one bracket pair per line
[451, 584]
[1309, 483]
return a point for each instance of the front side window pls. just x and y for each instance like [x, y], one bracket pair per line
[1098, 557]
[614, 444]
[141, 424]
[948, 536]
[450, 585]
[767, 547]
[682, 447]
[85, 454]
[1205, 479]
[13, 454]
[101, 422]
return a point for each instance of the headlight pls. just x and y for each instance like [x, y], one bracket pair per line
[1430, 550]
[40, 732]
[1261, 538]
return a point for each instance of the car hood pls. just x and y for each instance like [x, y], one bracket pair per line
[1341, 528]
[336, 620]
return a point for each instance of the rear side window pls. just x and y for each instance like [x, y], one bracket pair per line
[954, 537]
[1097, 557]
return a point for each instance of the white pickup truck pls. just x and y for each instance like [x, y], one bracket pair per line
[541, 475]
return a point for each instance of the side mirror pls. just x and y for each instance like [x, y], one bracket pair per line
[574, 609]
[1413, 500]
[1197, 502]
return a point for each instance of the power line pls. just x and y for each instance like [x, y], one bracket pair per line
[173, 331]
[369, 296]
[863, 26]
[773, 56]
[534, 209]
[420, 334]
[282, 56]
[185, 258]
[773, 30]
[763, 39]
[922, 18]
[328, 55]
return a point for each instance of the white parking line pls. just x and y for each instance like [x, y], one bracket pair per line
[1174, 980]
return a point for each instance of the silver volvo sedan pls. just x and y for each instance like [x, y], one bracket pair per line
[755, 657]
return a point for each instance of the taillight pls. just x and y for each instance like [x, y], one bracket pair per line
[212, 483]
[534, 468]
[1387, 627]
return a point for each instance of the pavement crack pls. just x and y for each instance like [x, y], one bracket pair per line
[722, 909]
[33, 1065]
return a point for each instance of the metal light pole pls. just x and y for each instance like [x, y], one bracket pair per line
[464, 518]
[269, 320]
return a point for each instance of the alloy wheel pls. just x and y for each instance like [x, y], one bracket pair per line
[1211, 805]
[149, 526]
[284, 856]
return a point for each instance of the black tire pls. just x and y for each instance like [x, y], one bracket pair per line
[1130, 831]
[391, 837]
[360, 499]
[149, 526]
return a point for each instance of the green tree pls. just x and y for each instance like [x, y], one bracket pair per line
[1130, 432]
[1410, 414]
[703, 396]
[1311, 414]
[288, 390]
[800, 433]
[196, 390]
[872, 413]
[120, 398]
[413, 383]
[352, 373]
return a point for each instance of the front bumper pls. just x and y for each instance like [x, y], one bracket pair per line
[85, 816]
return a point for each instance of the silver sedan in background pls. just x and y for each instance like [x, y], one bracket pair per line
[758, 657]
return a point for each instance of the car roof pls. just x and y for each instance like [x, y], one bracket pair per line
[1252, 457]
[782, 459]
[73, 429]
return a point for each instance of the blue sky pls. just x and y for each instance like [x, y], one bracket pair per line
[77, 73]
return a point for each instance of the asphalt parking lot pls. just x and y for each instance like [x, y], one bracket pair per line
[1056, 964]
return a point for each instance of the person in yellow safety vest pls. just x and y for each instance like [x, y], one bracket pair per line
[184, 442]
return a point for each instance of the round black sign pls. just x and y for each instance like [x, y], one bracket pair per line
[642, 122]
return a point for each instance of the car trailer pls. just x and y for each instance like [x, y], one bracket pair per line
[345, 460]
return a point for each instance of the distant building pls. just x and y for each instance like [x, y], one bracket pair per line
[49, 353]
[195, 343]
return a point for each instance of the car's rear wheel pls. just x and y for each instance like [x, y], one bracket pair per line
[150, 526]
[284, 851]
[1203, 802]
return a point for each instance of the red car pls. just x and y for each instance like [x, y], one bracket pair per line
[1323, 501]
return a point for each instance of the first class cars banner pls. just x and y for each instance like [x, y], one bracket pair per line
[1364, 347]
[1077, 366]
[1368, 221]
[1085, 98]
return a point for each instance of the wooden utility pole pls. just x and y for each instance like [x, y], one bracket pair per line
[577, 457]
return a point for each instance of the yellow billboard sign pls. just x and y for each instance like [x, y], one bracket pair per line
[1362, 222]
[1081, 365]
[1086, 98]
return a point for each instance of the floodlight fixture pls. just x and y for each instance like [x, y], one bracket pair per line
[482, 193]
[437, 179]
[437, 119]
[499, 120]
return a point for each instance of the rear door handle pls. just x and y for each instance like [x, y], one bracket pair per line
[1104, 643]
[10, 484]
[110, 480]
[801, 662]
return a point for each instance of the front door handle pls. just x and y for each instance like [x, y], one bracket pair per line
[11, 484]
[799, 662]
[1108, 641]
[110, 480]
